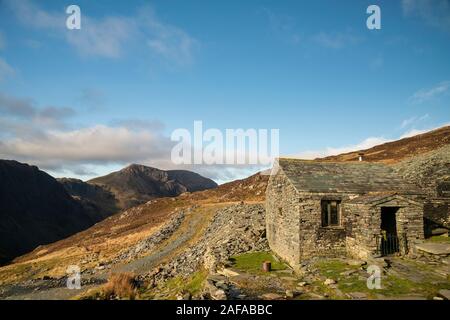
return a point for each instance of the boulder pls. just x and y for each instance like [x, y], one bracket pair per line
[219, 294]
[358, 295]
[434, 248]
[444, 293]
[272, 296]
[356, 263]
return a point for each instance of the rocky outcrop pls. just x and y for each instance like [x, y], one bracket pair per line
[431, 172]
[233, 230]
[148, 244]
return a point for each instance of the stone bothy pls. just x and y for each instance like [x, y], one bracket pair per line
[332, 209]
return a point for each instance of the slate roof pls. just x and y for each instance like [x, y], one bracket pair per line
[380, 197]
[344, 177]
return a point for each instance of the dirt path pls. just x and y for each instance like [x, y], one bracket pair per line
[49, 294]
[188, 231]
[176, 242]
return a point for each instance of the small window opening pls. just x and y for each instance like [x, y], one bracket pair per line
[331, 212]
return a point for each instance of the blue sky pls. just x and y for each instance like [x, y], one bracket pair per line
[85, 102]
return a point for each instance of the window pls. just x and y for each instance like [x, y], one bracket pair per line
[331, 210]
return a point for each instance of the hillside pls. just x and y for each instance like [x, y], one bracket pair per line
[91, 196]
[429, 171]
[137, 184]
[395, 151]
[35, 209]
[136, 222]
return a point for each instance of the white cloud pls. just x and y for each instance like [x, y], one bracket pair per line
[167, 40]
[435, 13]
[414, 132]
[430, 93]
[30, 14]
[283, 26]
[413, 120]
[407, 122]
[97, 144]
[335, 40]
[105, 38]
[25, 109]
[43, 136]
[5, 70]
[110, 36]
[87, 151]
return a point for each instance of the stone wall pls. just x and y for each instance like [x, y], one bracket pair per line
[294, 223]
[436, 214]
[410, 224]
[316, 240]
[282, 218]
[364, 226]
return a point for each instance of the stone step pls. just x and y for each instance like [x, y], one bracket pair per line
[434, 248]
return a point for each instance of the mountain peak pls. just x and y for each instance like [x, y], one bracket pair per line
[139, 168]
[137, 184]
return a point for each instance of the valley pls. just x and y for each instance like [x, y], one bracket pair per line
[211, 244]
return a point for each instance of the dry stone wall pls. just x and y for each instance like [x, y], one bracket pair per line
[282, 218]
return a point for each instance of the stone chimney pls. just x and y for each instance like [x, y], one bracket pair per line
[361, 154]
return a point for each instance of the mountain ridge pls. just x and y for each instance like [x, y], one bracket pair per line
[37, 209]
[137, 184]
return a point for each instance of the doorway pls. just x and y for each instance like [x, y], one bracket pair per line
[389, 238]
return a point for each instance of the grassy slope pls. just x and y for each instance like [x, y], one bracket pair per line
[108, 238]
[396, 151]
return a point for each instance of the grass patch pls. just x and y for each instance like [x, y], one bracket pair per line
[394, 286]
[439, 239]
[391, 285]
[122, 286]
[252, 262]
[333, 268]
[172, 287]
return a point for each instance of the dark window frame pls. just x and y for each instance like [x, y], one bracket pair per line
[331, 213]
